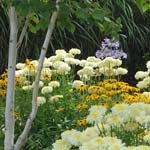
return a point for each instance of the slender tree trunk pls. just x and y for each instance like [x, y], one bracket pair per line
[9, 110]
[21, 140]
[23, 32]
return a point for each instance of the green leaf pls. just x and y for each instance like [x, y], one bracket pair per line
[81, 13]
[35, 19]
[97, 14]
[107, 19]
[72, 28]
[32, 28]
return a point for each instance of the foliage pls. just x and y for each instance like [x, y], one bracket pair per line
[67, 104]
[135, 30]
[143, 5]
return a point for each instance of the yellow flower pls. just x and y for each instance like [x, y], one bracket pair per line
[92, 97]
[16, 115]
[2, 92]
[59, 110]
[29, 65]
[82, 88]
[81, 122]
[82, 106]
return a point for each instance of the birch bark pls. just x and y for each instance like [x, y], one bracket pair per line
[23, 32]
[9, 109]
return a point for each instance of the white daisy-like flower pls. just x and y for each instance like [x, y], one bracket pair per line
[20, 65]
[46, 89]
[41, 100]
[77, 83]
[75, 51]
[54, 84]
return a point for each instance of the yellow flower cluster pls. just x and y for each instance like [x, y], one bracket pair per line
[113, 91]
[81, 122]
[82, 106]
[3, 83]
[82, 88]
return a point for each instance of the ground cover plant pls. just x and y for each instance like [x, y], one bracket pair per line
[71, 106]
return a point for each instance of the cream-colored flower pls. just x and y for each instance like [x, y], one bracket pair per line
[114, 120]
[148, 65]
[41, 84]
[142, 85]
[108, 62]
[107, 71]
[47, 63]
[89, 71]
[141, 74]
[121, 71]
[20, 65]
[46, 89]
[53, 59]
[60, 51]
[73, 137]
[77, 83]
[54, 84]
[75, 51]
[61, 145]
[93, 59]
[46, 74]
[117, 62]
[19, 73]
[63, 69]
[27, 87]
[89, 133]
[61, 56]
[72, 61]
[55, 98]
[131, 126]
[147, 94]
[83, 63]
[29, 71]
[41, 100]
[34, 63]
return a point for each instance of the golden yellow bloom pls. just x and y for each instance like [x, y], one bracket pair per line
[29, 65]
[96, 89]
[19, 80]
[2, 92]
[82, 88]
[3, 83]
[59, 110]
[82, 106]
[92, 97]
[16, 115]
[81, 122]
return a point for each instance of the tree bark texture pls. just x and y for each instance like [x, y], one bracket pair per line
[9, 109]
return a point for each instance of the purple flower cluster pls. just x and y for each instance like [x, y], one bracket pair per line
[110, 48]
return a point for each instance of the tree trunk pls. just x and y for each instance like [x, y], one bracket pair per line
[21, 140]
[9, 110]
[23, 32]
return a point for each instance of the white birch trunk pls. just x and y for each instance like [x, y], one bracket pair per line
[21, 139]
[23, 32]
[9, 110]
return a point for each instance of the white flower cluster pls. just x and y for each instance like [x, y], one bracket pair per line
[130, 116]
[89, 139]
[86, 140]
[63, 62]
[120, 114]
[93, 66]
[144, 77]
[77, 83]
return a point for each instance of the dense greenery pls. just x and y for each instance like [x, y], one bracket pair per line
[85, 30]
[64, 103]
